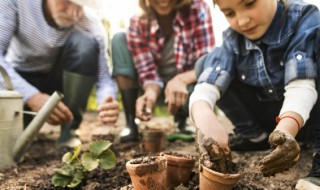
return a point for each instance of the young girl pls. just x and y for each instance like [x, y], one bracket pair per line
[264, 78]
[158, 53]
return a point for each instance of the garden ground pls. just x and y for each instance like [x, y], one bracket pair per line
[41, 160]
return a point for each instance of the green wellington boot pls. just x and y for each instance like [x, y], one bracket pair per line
[77, 89]
[181, 133]
[131, 132]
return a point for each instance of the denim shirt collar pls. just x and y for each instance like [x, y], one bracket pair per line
[273, 34]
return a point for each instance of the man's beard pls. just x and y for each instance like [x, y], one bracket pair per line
[63, 20]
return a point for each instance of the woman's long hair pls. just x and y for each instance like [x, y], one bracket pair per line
[147, 10]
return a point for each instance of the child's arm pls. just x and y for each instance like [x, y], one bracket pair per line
[206, 121]
[202, 102]
[300, 97]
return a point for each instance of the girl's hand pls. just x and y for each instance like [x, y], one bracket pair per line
[285, 155]
[212, 154]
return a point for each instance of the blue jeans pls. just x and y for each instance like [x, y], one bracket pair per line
[80, 55]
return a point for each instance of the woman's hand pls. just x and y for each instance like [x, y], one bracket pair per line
[176, 94]
[60, 114]
[146, 102]
[109, 111]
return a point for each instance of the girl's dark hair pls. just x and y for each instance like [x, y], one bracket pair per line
[283, 1]
[285, 4]
[147, 10]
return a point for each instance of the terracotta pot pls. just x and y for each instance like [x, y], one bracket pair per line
[153, 140]
[212, 180]
[179, 169]
[150, 175]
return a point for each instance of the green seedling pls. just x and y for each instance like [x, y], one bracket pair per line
[75, 169]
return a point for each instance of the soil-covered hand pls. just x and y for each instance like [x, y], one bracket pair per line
[284, 156]
[212, 155]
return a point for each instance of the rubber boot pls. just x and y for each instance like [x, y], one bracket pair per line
[181, 132]
[131, 132]
[76, 89]
[180, 121]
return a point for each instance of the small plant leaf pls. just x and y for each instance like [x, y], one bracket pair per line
[89, 162]
[74, 171]
[59, 180]
[69, 157]
[78, 166]
[77, 178]
[66, 171]
[76, 152]
[107, 160]
[97, 148]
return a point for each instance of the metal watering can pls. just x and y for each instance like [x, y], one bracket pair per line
[13, 140]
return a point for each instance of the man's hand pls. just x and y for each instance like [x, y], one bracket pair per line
[285, 155]
[60, 114]
[176, 94]
[109, 111]
[212, 155]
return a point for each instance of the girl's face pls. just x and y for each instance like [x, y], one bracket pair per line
[163, 7]
[250, 18]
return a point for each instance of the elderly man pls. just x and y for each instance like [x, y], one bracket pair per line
[49, 45]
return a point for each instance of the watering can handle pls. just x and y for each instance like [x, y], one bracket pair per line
[6, 78]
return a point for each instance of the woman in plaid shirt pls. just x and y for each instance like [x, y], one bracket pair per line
[158, 53]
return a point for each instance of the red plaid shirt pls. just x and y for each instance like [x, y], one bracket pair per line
[193, 37]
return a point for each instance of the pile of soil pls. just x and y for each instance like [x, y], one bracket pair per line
[42, 159]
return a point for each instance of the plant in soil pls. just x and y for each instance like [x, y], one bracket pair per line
[75, 169]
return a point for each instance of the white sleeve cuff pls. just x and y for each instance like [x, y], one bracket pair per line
[300, 97]
[159, 83]
[206, 92]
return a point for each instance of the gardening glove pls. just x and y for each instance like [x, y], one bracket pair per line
[212, 155]
[284, 156]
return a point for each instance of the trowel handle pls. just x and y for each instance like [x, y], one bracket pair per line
[6, 78]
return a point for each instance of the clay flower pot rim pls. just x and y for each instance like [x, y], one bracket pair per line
[161, 162]
[149, 174]
[179, 160]
[229, 179]
[152, 132]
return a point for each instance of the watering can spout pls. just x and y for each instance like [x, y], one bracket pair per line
[26, 138]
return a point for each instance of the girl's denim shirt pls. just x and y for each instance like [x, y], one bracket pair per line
[284, 53]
